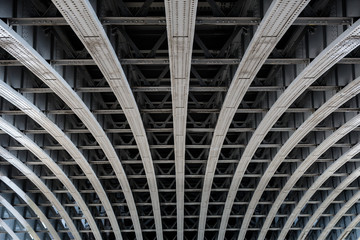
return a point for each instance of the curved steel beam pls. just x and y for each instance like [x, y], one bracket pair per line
[8, 230]
[40, 118]
[315, 187]
[83, 20]
[338, 49]
[280, 16]
[31, 204]
[339, 215]
[313, 156]
[346, 157]
[59, 173]
[180, 23]
[349, 228]
[325, 110]
[23, 52]
[43, 188]
[19, 218]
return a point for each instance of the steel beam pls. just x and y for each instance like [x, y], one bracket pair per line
[31, 204]
[188, 130]
[180, 19]
[330, 226]
[23, 52]
[131, 162]
[210, 230]
[169, 111]
[188, 176]
[51, 128]
[19, 218]
[89, 30]
[165, 61]
[281, 15]
[154, 89]
[325, 145]
[315, 187]
[51, 164]
[43, 188]
[349, 228]
[141, 21]
[324, 111]
[218, 203]
[166, 146]
[339, 48]
[8, 230]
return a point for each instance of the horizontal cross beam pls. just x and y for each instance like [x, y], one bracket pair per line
[161, 21]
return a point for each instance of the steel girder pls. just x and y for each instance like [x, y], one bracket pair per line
[51, 164]
[31, 204]
[19, 218]
[8, 229]
[180, 19]
[137, 34]
[84, 22]
[259, 49]
[42, 187]
[336, 50]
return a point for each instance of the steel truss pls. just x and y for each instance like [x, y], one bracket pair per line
[179, 119]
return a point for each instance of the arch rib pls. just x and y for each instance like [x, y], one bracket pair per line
[31, 204]
[83, 20]
[332, 54]
[312, 190]
[49, 162]
[8, 230]
[339, 48]
[317, 184]
[33, 112]
[23, 52]
[349, 228]
[281, 14]
[323, 147]
[180, 22]
[336, 165]
[339, 215]
[19, 218]
[325, 110]
[42, 187]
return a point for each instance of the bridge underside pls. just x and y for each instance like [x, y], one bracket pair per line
[137, 32]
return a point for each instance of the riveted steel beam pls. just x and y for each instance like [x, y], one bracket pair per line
[141, 21]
